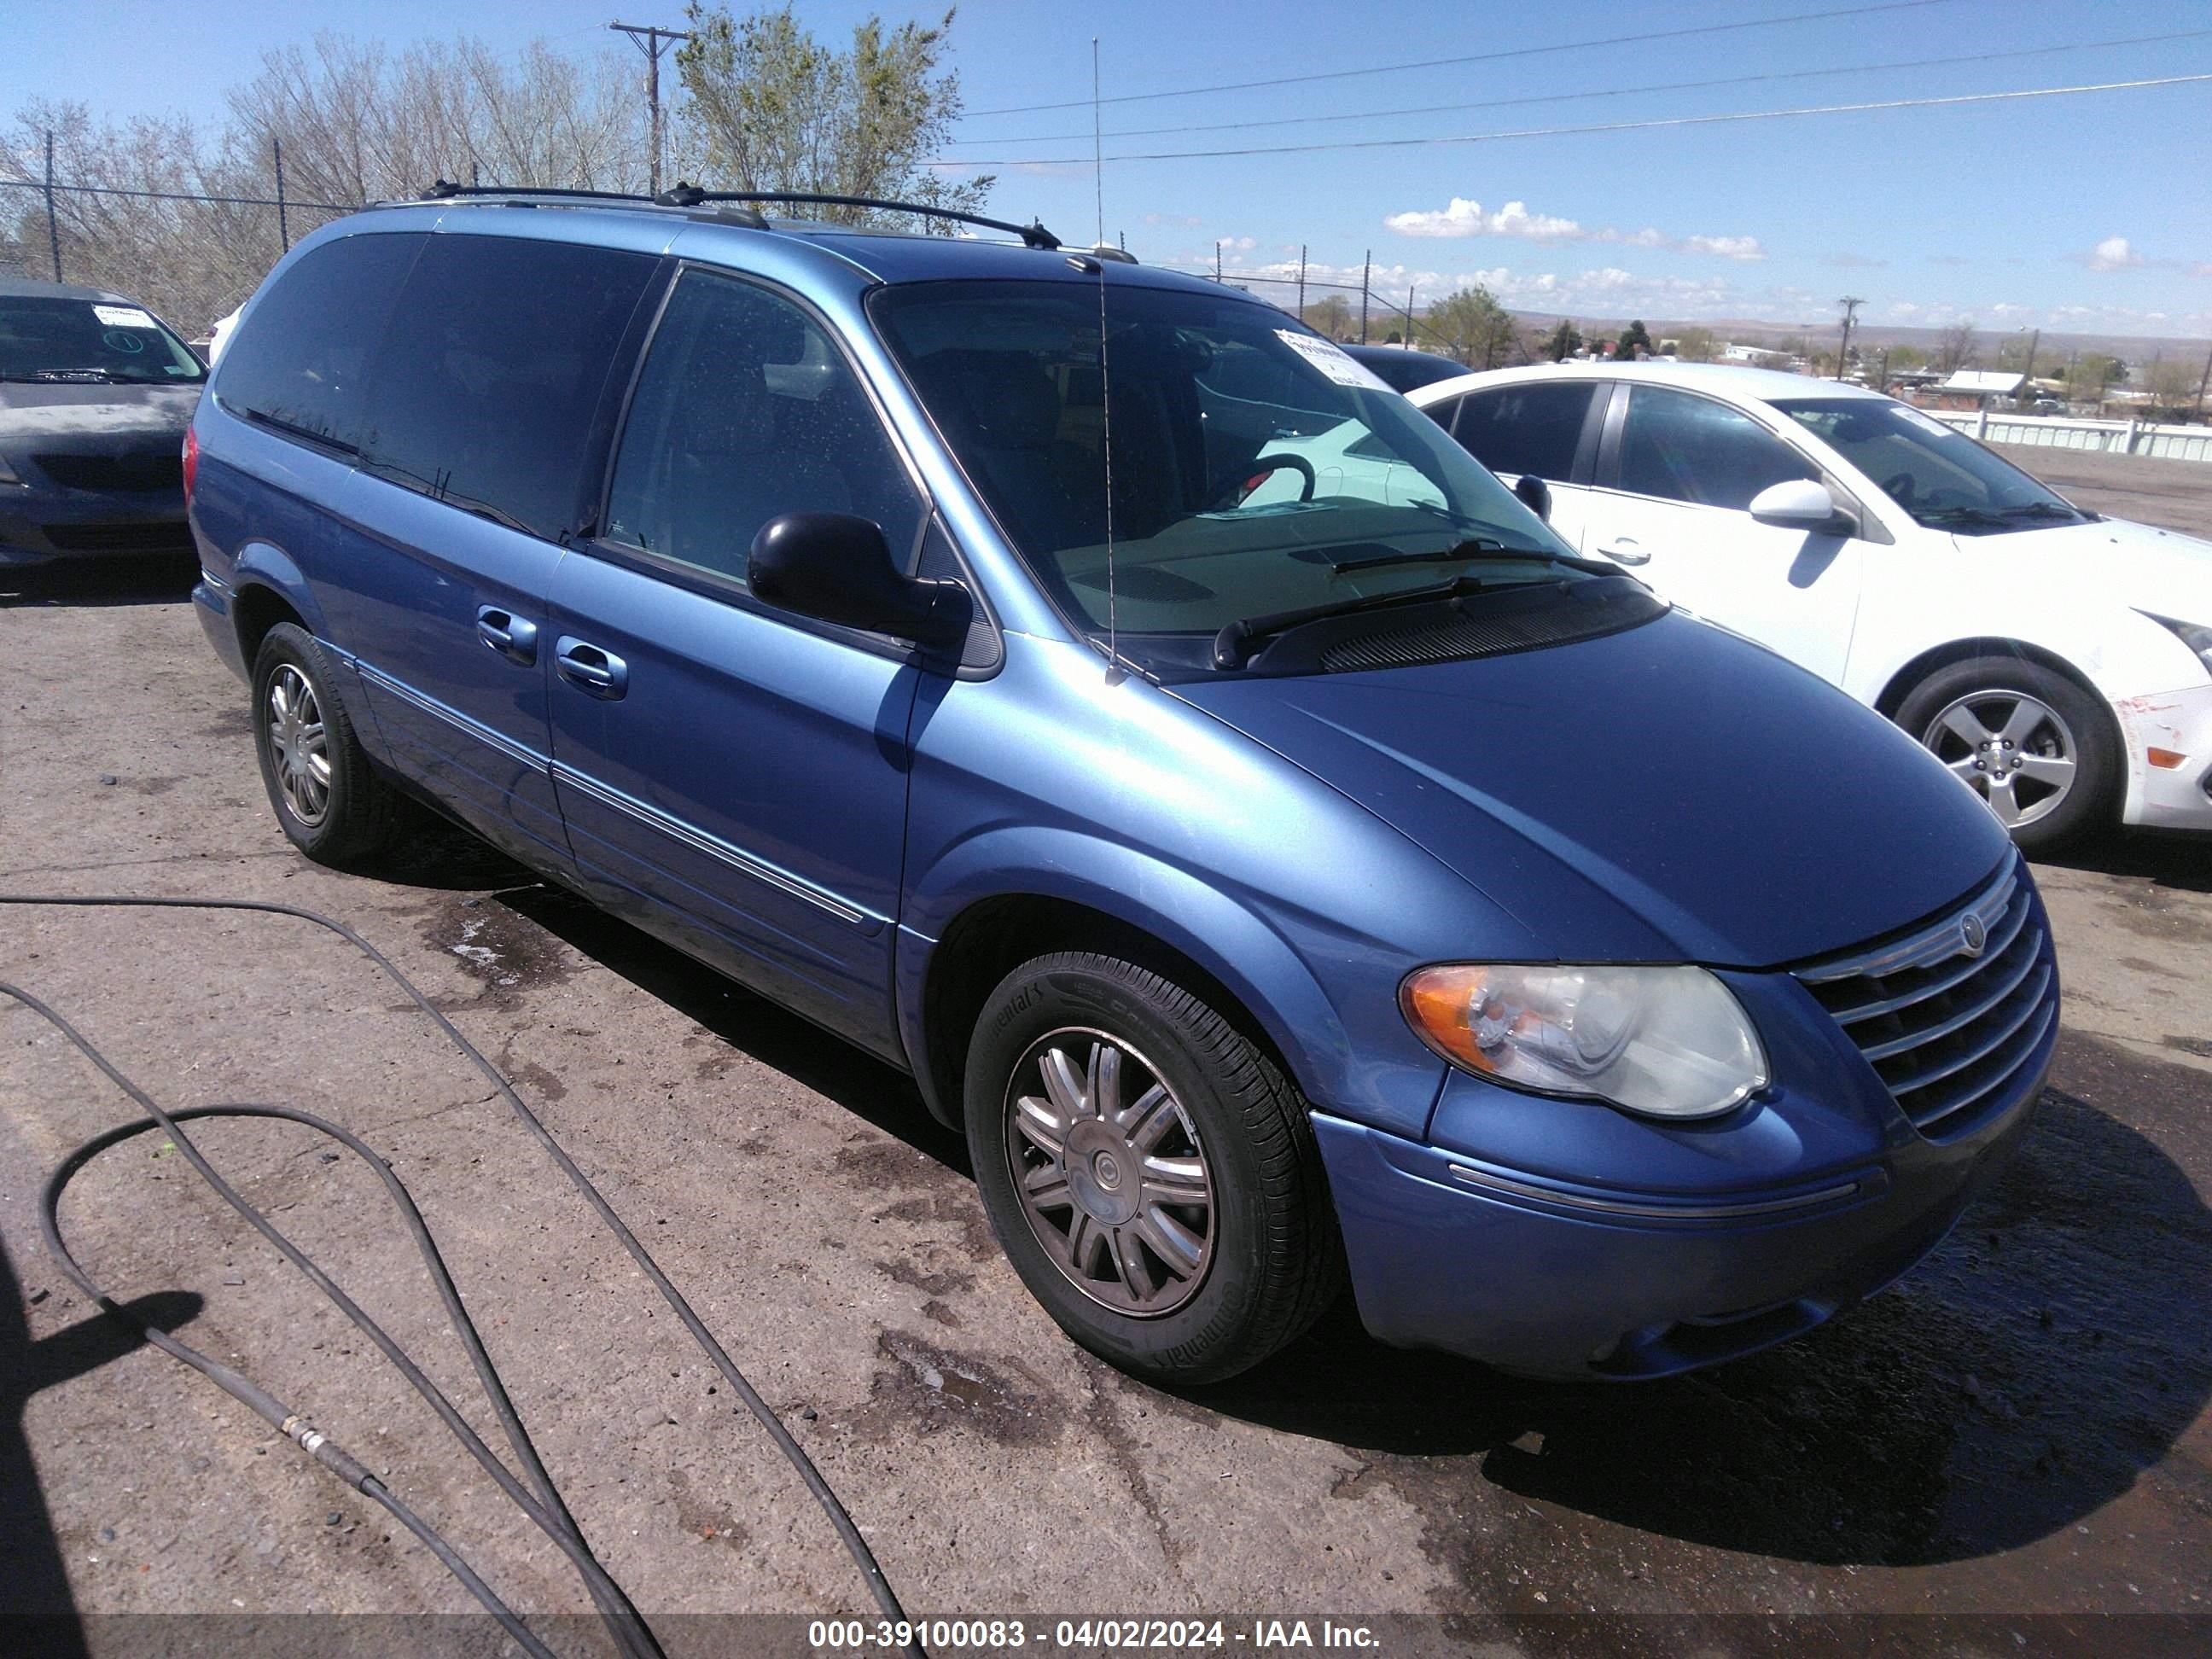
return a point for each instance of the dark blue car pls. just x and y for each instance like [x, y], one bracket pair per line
[1087, 688]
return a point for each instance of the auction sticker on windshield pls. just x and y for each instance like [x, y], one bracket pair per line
[1330, 361]
[124, 317]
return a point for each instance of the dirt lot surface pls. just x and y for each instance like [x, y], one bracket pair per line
[2017, 1429]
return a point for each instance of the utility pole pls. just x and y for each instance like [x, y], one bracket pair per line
[1366, 272]
[652, 42]
[1851, 303]
[2203, 381]
[1409, 317]
[283, 225]
[53, 225]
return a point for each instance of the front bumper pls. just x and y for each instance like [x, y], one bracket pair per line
[1704, 1242]
[2163, 794]
[43, 527]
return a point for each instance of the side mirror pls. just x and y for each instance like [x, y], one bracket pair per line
[1795, 504]
[838, 568]
[1534, 495]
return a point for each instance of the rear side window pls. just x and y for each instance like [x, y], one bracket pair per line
[1682, 448]
[1524, 430]
[493, 371]
[299, 362]
[745, 410]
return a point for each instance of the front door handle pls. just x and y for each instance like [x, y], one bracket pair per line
[513, 637]
[586, 667]
[1623, 550]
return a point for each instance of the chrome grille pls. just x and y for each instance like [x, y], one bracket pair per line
[1951, 1029]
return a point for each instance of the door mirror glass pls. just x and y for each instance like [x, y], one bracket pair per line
[1793, 504]
[837, 568]
[1534, 495]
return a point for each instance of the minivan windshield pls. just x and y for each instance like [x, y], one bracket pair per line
[1257, 472]
[1940, 475]
[56, 337]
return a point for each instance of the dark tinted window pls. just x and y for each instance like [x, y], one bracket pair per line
[1402, 370]
[745, 410]
[488, 383]
[1526, 430]
[300, 358]
[1693, 449]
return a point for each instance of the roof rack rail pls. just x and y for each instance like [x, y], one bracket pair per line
[1033, 234]
[681, 195]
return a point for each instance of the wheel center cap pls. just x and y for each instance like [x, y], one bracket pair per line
[1100, 1171]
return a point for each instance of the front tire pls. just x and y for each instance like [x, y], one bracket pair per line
[329, 800]
[2041, 750]
[1150, 1173]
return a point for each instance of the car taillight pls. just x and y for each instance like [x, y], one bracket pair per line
[192, 463]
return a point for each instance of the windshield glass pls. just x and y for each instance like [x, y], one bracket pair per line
[55, 337]
[1935, 472]
[1256, 470]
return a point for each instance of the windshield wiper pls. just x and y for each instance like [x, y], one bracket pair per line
[2040, 510]
[1475, 547]
[1231, 645]
[1943, 515]
[63, 376]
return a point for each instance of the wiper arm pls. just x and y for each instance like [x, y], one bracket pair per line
[1963, 515]
[2040, 510]
[1475, 547]
[1230, 645]
[293, 429]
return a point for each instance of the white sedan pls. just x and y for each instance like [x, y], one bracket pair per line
[2059, 662]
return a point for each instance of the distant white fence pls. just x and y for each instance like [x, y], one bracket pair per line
[2172, 443]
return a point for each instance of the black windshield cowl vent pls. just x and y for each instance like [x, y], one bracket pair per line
[1494, 623]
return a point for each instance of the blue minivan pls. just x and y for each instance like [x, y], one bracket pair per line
[1087, 688]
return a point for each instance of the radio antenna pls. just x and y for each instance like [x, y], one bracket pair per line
[1105, 374]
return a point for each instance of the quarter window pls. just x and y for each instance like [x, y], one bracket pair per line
[745, 410]
[300, 361]
[486, 389]
[1520, 430]
[1683, 448]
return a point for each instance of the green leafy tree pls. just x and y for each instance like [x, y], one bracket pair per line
[1565, 340]
[1472, 326]
[1697, 345]
[773, 109]
[2089, 375]
[1635, 342]
[1906, 356]
[1331, 315]
[2171, 384]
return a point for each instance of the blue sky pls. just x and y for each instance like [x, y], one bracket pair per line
[2090, 213]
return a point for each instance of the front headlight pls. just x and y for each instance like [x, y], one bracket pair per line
[1667, 1042]
[2196, 635]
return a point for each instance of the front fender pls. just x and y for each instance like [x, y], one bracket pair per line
[1379, 1074]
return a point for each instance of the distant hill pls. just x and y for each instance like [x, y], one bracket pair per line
[2128, 348]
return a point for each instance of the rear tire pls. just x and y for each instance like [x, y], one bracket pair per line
[2042, 751]
[328, 798]
[1150, 1173]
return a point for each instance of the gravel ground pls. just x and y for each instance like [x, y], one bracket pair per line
[2018, 1431]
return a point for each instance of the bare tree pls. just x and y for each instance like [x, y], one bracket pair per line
[1954, 346]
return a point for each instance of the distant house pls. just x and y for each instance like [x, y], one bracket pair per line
[1974, 388]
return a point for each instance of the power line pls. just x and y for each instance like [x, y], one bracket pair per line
[1615, 92]
[182, 196]
[1606, 127]
[1475, 58]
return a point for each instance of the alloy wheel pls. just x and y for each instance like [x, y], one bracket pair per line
[2016, 751]
[1112, 1179]
[292, 722]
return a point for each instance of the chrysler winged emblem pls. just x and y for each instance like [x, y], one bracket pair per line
[1972, 936]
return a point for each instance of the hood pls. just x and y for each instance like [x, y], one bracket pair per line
[97, 417]
[2137, 565]
[1671, 793]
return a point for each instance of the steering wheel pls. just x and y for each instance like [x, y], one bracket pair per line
[1258, 468]
[1899, 488]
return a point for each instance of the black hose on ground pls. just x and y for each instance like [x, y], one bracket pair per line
[541, 1504]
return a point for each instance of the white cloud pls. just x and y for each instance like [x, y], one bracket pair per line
[1466, 217]
[2113, 253]
[1728, 248]
[1188, 221]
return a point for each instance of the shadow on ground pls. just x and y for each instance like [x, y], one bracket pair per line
[163, 580]
[2166, 858]
[2053, 1349]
